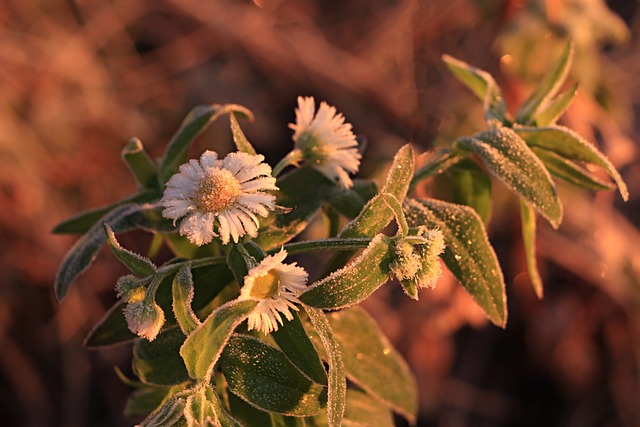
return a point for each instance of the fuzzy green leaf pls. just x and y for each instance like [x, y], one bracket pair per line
[468, 253]
[84, 251]
[147, 398]
[363, 410]
[263, 376]
[296, 345]
[158, 361]
[355, 282]
[509, 159]
[195, 123]
[440, 162]
[548, 87]
[482, 85]
[144, 170]
[556, 108]
[570, 171]
[182, 291]
[242, 143]
[82, 222]
[170, 414]
[337, 387]
[570, 145]
[224, 418]
[372, 363]
[203, 347]
[528, 219]
[137, 264]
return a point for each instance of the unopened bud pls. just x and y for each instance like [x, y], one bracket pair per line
[129, 288]
[144, 319]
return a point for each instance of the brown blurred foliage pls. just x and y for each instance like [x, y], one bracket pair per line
[78, 78]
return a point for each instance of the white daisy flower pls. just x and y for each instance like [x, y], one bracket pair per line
[325, 140]
[276, 287]
[233, 190]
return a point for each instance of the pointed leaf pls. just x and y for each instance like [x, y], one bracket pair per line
[84, 251]
[440, 162]
[137, 264]
[482, 85]
[263, 376]
[242, 143]
[376, 214]
[509, 159]
[372, 363]
[355, 282]
[337, 392]
[468, 254]
[170, 414]
[556, 108]
[296, 345]
[363, 410]
[147, 398]
[144, 170]
[158, 361]
[195, 123]
[224, 418]
[570, 171]
[528, 219]
[203, 347]
[471, 186]
[548, 87]
[568, 144]
[182, 290]
[82, 222]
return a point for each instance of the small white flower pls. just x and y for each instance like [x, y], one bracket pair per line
[276, 287]
[325, 140]
[144, 320]
[233, 190]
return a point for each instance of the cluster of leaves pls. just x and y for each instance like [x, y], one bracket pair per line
[206, 368]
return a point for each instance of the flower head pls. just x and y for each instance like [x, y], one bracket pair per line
[144, 319]
[325, 140]
[231, 190]
[276, 287]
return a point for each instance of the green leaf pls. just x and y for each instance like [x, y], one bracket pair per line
[570, 145]
[182, 290]
[158, 361]
[509, 159]
[137, 264]
[548, 87]
[144, 170]
[482, 85]
[303, 190]
[468, 254]
[238, 264]
[203, 347]
[355, 282]
[82, 222]
[377, 214]
[350, 201]
[263, 376]
[224, 418]
[337, 386]
[248, 415]
[296, 345]
[241, 141]
[528, 219]
[396, 207]
[372, 363]
[199, 410]
[195, 123]
[84, 251]
[363, 410]
[556, 108]
[472, 187]
[112, 328]
[170, 414]
[570, 171]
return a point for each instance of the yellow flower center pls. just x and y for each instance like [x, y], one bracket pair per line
[265, 286]
[217, 191]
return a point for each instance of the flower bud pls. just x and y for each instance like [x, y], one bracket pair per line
[129, 289]
[144, 319]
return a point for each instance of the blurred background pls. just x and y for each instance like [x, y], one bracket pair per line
[78, 78]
